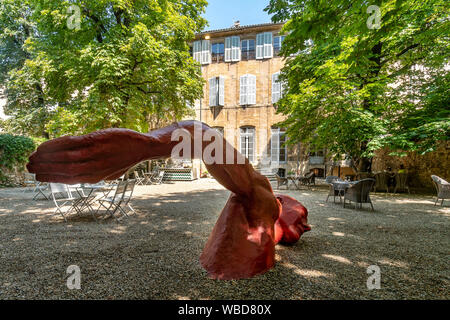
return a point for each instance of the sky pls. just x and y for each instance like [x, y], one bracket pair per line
[222, 13]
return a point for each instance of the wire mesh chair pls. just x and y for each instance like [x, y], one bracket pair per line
[401, 182]
[442, 189]
[359, 192]
[381, 179]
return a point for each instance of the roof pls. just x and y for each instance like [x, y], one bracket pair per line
[240, 28]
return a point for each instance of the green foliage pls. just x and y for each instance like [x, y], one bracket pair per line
[127, 64]
[353, 89]
[14, 152]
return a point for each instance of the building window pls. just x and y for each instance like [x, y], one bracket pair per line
[277, 88]
[277, 43]
[232, 49]
[202, 51]
[217, 52]
[217, 91]
[248, 49]
[247, 145]
[278, 150]
[247, 90]
[264, 47]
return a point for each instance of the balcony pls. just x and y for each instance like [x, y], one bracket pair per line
[315, 160]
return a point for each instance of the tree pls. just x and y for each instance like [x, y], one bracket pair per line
[126, 62]
[20, 76]
[356, 84]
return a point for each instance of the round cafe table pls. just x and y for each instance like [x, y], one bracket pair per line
[341, 187]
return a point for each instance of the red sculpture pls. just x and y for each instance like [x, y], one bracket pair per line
[242, 243]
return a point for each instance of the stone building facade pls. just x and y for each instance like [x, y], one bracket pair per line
[240, 66]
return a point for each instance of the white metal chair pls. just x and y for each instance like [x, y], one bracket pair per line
[158, 178]
[120, 200]
[62, 190]
[39, 187]
[139, 180]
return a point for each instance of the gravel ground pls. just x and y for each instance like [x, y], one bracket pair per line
[154, 255]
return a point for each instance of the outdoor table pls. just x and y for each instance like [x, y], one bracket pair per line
[85, 193]
[149, 176]
[341, 187]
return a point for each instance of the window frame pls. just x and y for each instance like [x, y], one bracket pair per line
[216, 91]
[249, 132]
[264, 45]
[247, 90]
[232, 49]
[276, 145]
[248, 54]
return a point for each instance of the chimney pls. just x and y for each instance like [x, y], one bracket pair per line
[237, 24]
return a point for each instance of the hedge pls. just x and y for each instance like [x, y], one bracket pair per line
[14, 153]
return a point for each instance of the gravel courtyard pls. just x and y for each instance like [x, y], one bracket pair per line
[154, 255]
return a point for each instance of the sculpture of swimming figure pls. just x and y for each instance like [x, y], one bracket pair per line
[241, 244]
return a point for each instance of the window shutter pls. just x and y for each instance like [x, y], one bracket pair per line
[212, 92]
[268, 46]
[221, 91]
[228, 49]
[276, 88]
[198, 51]
[236, 50]
[243, 90]
[251, 89]
[206, 52]
[283, 147]
[251, 144]
[275, 145]
[260, 46]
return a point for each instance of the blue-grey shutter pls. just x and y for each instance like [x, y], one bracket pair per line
[260, 46]
[212, 92]
[221, 91]
[228, 49]
[206, 52]
[197, 50]
[236, 50]
[243, 90]
[276, 87]
[268, 46]
[275, 145]
[251, 89]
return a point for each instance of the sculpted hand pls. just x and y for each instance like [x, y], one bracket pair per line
[100, 155]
